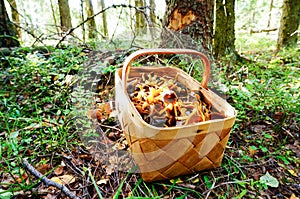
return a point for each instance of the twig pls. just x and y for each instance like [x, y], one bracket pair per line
[111, 127]
[226, 183]
[48, 182]
[120, 15]
[30, 33]
[91, 17]
[281, 127]
[212, 186]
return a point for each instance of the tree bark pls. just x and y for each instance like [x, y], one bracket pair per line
[104, 21]
[15, 16]
[65, 16]
[140, 24]
[224, 36]
[8, 32]
[289, 23]
[152, 12]
[54, 17]
[192, 22]
[92, 30]
[82, 18]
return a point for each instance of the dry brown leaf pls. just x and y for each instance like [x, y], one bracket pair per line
[43, 168]
[64, 179]
[67, 179]
[6, 180]
[59, 170]
[252, 152]
[22, 178]
[293, 196]
[95, 114]
[57, 180]
[107, 108]
[55, 78]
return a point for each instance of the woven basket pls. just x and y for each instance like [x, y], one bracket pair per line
[165, 152]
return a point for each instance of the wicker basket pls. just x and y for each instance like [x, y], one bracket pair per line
[163, 153]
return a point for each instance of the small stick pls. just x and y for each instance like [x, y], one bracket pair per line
[47, 181]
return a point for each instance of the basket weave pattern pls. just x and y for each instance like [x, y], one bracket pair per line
[163, 153]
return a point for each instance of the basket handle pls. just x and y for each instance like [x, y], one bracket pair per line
[136, 54]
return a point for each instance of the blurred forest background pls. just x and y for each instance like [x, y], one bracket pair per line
[86, 21]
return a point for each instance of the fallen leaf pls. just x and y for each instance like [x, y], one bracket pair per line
[57, 180]
[67, 179]
[59, 170]
[293, 196]
[68, 79]
[6, 180]
[102, 181]
[64, 179]
[292, 172]
[176, 181]
[252, 151]
[55, 78]
[21, 178]
[107, 108]
[43, 168]
[95, 114]
[269, 180]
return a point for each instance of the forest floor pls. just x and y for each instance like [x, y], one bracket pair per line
[57, 119]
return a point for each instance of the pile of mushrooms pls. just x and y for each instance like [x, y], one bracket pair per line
[165, 102]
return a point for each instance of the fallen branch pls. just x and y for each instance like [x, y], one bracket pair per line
[263, 30]
[48, 182]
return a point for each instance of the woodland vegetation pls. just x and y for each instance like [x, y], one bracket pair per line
[59, 135]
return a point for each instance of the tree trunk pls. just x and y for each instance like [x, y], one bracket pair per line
[131, 14]
[8, 32]
[15, 16]
[192, 22]
[92, 30]
[224, 36]
[270, 14]
[104, 21]
[65, 17]
[152, 12]
[289, 24]
[54, 17]
[82, 18]
[140, 24]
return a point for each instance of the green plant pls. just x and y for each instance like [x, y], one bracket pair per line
[34, 110]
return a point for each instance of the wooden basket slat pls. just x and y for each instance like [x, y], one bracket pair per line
[163, 153]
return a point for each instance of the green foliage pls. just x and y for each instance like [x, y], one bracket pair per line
[35, 108]
[36, 119]
[269, 180]
[266, 87]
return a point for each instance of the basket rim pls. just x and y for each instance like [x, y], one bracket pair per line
[228, 118]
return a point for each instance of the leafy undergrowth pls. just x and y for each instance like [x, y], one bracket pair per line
[57, 114]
